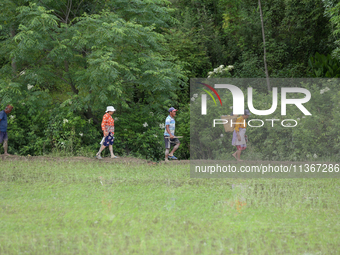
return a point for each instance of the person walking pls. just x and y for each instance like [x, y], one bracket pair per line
[239, 135]
[169, 134]
[3, 128]
[108, 128]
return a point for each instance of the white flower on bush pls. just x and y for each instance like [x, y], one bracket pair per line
[195, 95]
[162, 125]
[65, 121]
[298, 118]
[192, 99]
[221, 135]
[155, 135]
[229, 68]
[12, 116]
[22, 103]
[29, 86]
[81, 134]
[125, 129]
[315, 156]
[324, 90]
[116, 118]
[307, 155]
[151, 113]
[220, 69]
[145, 124]
[22, 73]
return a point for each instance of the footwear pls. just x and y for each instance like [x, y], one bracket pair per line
[98, 157]
[172, 157]
[114, 157]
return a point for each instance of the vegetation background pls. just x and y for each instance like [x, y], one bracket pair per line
[62, 62]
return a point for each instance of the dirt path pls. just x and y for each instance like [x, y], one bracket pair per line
[131, 160]
[121, 160]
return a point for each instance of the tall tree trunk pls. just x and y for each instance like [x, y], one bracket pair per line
[73, 87]
[14, 65]
[264, 49]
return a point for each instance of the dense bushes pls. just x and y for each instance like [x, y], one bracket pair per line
[137, 132]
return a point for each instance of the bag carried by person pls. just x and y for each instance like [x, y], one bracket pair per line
[228, 127]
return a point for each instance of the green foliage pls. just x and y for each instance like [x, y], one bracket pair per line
[42, 131]
[73, 59]
[294, 30]
[200, 34]
[324, 66]
[333, 11]
[183, 129]
[81, 56]
[141, 133]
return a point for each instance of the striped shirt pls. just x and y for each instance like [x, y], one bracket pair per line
[169, 121]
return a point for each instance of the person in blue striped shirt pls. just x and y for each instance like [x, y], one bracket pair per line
[169, 135]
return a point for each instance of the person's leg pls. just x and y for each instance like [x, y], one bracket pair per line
[174, 149]
[4, 141]
[167, 147]
[234, 154]
[111, 151]
[100, 150]
[166, 154]
[6, 147]
[177, 143]
[238, 154]
[110, 140]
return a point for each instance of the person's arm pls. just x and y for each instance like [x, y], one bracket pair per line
[168, 130]
[112, 126]
[237, 127]
[105, 133]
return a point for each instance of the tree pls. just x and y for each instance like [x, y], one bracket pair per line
[95, 55]
[264, 48]
[295, 30]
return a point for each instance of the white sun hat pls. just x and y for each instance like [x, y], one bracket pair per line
[110, 109]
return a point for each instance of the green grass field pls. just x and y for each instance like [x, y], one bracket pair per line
[68, 207]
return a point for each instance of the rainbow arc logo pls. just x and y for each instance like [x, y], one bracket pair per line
[209, 93]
